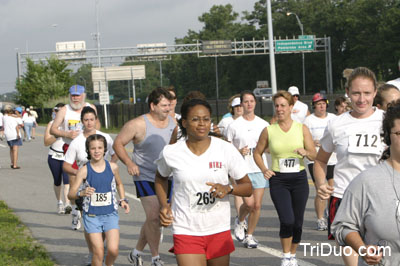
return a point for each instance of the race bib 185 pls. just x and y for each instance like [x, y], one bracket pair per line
[100, 199]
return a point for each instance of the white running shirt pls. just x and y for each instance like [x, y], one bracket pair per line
[72, 121]
[317, 126]
[195, 212]
[241, 133]
[299, 112]
[357, 143]
[10, 124]
[77, 149]
[224, 123]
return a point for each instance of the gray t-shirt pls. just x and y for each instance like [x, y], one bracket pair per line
[369, 206]
[147, 151]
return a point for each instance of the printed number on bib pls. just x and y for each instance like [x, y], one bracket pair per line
[100, 199]
[289, 165]
[58, 156]
[367, 143]
[202, 202]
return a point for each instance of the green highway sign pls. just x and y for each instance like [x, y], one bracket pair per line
[294, 45]
[307, 37]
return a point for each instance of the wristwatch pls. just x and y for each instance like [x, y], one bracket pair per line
[231, 187]
[121, 200]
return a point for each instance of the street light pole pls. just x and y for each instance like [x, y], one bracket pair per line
[302, 53]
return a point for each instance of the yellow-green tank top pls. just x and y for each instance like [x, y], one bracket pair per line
[282, 144]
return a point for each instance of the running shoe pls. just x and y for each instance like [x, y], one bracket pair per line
[135, 260]
[321, 225]
[157, 262]
[76, 220]
[60, 208]
[293, 260]
[68, 209]
[250, 242]
[239, 230]
[286, 262]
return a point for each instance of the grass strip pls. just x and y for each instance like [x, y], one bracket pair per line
[17, 247]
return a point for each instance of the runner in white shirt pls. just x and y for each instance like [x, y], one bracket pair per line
[300, 109]
[244, 133]
[55, 160]
[200, 210]
[12, 123]
[317, 123]
[356, 138]
[235, 109]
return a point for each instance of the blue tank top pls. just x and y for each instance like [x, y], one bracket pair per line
[103, 200]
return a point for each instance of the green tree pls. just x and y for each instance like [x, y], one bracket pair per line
[43, 81]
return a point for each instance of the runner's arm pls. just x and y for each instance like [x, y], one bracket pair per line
[309, 146]
[161, 187]
[120, 187]
[48, 138]
[323, 189]
[72, 194]
[127, 134]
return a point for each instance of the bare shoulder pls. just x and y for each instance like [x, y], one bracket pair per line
[134, 129]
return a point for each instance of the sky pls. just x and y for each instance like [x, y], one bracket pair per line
[36, 25]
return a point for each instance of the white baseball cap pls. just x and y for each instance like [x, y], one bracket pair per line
[235, 102]
[294, 90]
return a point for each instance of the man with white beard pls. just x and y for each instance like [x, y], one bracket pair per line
[67, 125]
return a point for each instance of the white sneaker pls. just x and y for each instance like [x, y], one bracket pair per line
[322, 225]
[135, 260]
[250, 242]
[76, 220]
[60, 208]
[286, 262]
[157, 262]
[293, 261]
[239, 230]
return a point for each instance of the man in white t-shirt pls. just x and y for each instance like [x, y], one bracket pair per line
[68, 125]
[244, 133]
[317, 123]
[300, 109]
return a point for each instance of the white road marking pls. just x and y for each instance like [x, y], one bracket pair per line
[129, 195]
[277, 253]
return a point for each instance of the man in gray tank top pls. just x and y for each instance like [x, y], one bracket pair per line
[149, 134]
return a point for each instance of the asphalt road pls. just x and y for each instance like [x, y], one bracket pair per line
[29, 192]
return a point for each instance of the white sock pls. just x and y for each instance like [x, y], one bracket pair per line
[293, 256]
[154, 258]
[60, 202]
[286, 255]
[137, 252]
